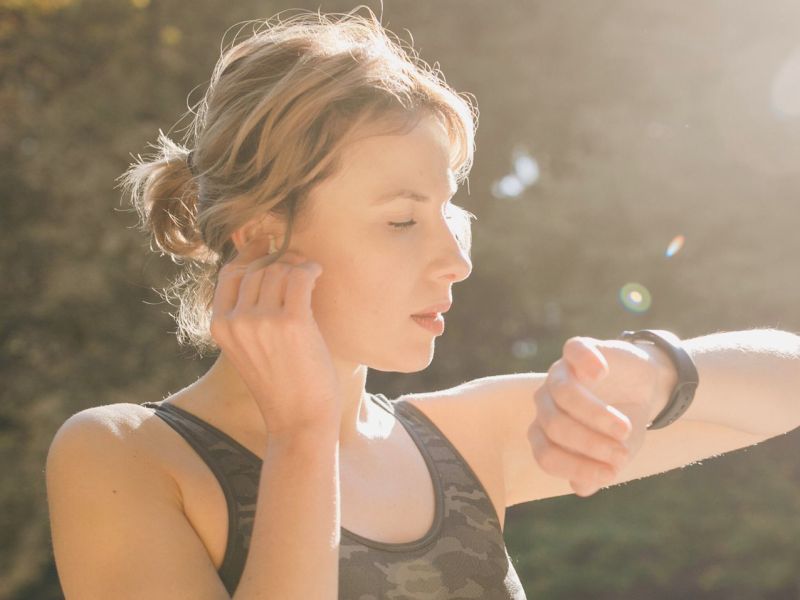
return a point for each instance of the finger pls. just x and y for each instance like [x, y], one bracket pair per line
[249, 289]
[299, 289]
[585, 360]
[560, 462]
[229, 280]
[226, 292]
[583, 405]
[273, 285]
[563, 430]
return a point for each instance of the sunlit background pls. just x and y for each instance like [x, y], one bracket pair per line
[637, 165]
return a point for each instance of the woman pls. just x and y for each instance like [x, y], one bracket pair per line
[316, 209]
[314, 212]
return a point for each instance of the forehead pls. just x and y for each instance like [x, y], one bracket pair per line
[416, 159]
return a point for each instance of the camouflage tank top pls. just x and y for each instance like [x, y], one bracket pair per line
[463, 555]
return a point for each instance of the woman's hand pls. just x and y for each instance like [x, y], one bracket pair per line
[262, 319]
[593, 410]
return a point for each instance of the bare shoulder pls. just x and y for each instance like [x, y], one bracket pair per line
[113, 437]
[488, 403]
[124, 430]
[117, 522]
[449, 409]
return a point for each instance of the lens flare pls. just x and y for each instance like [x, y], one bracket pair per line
[675, 245]
[635, 297]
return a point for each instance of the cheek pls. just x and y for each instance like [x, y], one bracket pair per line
[341, 292]
[371, 284]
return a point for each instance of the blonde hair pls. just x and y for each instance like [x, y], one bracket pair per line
[278, 109]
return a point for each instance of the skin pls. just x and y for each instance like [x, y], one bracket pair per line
[375, 276]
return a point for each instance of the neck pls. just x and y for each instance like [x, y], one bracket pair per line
[361, 421]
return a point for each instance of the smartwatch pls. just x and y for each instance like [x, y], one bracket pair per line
[688, 379]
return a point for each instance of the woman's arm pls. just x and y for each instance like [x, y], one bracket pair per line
[749, 380]
[749, 384]
[294, 548]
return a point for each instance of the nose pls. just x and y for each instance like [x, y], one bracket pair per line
[453, 250]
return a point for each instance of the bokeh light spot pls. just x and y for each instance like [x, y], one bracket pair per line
[170, 35]
[526, 169]
[524, 348]
[635, 297]
[524, 173]
[508, 187]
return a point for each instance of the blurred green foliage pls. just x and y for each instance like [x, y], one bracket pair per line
[646, 119]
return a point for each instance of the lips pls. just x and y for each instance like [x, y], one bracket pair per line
[434, 324]
[434, 310]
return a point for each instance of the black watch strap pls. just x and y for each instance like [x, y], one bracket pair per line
[688, 379]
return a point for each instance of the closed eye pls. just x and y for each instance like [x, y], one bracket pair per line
[458, 213]
[404, 224]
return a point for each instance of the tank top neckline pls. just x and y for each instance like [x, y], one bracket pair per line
[385, 404]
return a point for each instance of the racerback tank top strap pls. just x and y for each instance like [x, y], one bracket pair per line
[463, 555]
[238, 471]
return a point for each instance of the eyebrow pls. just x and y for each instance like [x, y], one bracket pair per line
[406, 193]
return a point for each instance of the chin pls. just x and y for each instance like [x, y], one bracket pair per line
[423, 363]
[411, 365]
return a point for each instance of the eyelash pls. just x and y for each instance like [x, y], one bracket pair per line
[404, 225]
[412, 222]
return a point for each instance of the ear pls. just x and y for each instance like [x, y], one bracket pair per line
[253, 237]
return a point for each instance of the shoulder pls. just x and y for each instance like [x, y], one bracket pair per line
[114, 423]
[464, 417]
[117, 518]
[122, 433]
[493, 403]
[450, 409]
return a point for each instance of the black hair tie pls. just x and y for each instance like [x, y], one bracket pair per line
[190, 161]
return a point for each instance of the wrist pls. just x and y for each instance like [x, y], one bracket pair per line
[308, 439]
[666, 378]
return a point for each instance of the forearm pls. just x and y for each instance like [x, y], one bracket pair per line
[294, 548]
[749, 380]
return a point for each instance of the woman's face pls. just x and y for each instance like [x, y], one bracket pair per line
[376, 275]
